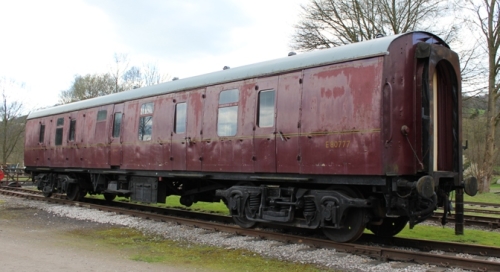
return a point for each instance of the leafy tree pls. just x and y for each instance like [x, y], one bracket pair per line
[89, 86]
[121, 78]
[330, 23]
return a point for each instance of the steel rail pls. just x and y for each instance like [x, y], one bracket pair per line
[378, 252]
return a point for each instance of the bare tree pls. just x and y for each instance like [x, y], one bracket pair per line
[137, 77]
[153, 76]
[132, 78]
[484, 16]
[89, 86]
[12, 126]
[330, 23]
[121, 65]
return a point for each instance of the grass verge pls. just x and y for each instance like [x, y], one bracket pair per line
[447, 234]
[146, 248]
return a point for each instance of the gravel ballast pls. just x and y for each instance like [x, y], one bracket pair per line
[287, 252]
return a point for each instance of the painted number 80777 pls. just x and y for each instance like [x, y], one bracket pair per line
[337, 144]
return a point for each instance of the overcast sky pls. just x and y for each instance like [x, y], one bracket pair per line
[46, 43]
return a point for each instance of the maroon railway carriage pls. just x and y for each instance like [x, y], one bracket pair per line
[362, 135]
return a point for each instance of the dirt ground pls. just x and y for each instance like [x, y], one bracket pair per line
[34, 240]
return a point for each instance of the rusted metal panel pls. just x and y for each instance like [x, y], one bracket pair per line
[72, 140]
[288, 123]
[211, 143]
[162, 130]
[179, 138]
[33, 148]
[194, 127]
[399, 109]
[130, 137]
[116, 138]
[80, 141]
[341, 118]
[98, 144]
[57, 157]
[243, 149]
[145, 143]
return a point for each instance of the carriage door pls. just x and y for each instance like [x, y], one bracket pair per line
[186, 149]
[288, 126]
[445, 93]
[265, 128]
[115, 139]
[440, 117]
[194, 118]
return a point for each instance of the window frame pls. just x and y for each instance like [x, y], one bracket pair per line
[59, 131]
[223, 112]
[102, 115]
[260, 112]
[41, 135]
[177, 120]
[117, 129]
[72, 130]
[146, 121]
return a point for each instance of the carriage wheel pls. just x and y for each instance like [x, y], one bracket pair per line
[243, 221]
[390, 226]
[353, 221]
[74, 193]
[109, 197]
[47, 191]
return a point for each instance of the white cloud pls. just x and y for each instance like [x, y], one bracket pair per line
[45, 43]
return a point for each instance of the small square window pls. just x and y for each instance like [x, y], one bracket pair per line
[101, 115]
[147, 108]
[229, 96]
[227, 121]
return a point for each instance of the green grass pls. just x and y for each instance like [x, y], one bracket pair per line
[490, 197]
[173, 202]
[150, 249]
[446, 234]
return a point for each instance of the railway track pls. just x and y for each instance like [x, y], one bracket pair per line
[368, 245]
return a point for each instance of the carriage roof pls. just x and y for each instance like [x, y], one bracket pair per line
[360, 50]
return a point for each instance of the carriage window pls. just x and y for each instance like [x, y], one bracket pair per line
[60, 121]
[101, 115]
[59, 131]
[147, 108]
[72, 128]
[227, 118]
[117, 122]
[59, 134]
[227, 121]
[229, 96]
[41, 137]
[146, 122]
[180, 118]
[266, 109]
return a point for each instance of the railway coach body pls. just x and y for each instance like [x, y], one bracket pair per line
[366, 134]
